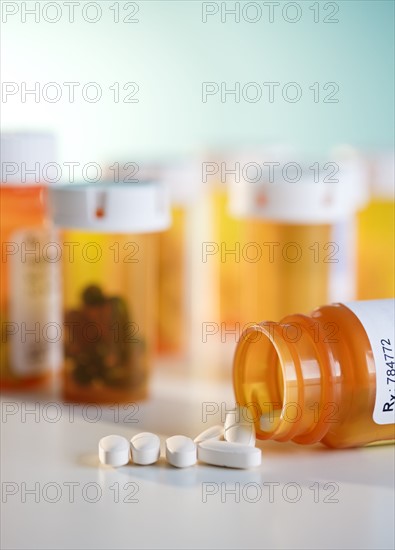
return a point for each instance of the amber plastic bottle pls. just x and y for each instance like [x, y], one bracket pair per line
[174, 270]
[376, 232]
[296, 235]
[182, 179]
[109, 274]
[29, 283]
[327, 377]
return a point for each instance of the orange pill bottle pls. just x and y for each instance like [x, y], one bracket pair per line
[297, 234]
[376, 232]
[221, 251]
[175, 270]
[30, 308]
[109, 262]
[328, 376]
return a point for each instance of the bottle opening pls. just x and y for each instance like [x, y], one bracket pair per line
[281, 379]
[262, 382]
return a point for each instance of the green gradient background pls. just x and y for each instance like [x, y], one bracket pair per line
[170, 52]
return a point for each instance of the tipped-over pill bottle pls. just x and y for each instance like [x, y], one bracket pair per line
[109, 279]
[30, 309]
[328, 376]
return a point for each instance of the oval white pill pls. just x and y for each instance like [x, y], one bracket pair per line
[239, 415]
[145, 448]
[180, 451]
[215, 432]
[241, 433]
[230, 455]
[114, 450]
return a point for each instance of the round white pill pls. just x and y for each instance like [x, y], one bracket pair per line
[215, 432]
[230, 455]
[114, 450]
[145, 448]
[180, 451]
[241, 433]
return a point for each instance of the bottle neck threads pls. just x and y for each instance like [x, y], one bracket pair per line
[287, 377]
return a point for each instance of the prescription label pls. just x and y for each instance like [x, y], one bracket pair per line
[378, 320]
[34, 312]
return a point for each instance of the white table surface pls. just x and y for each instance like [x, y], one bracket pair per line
[283, 504]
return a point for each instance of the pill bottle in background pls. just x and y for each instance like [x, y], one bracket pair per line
[351, 171]
[328, 376]
[222, 250]
[297, 236]
[376, 231]
[183, 181]
[109, 286]
[30, 307]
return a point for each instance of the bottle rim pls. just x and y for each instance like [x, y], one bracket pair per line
[286, 383]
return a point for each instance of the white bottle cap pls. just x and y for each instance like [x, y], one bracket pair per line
[183, 180]
[25, 157]
[299, 203]
[383, 179]
[182, 177]
[222, 165]
[299, 195]
[113, 207]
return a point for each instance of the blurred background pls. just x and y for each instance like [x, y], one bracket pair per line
[170, 51]
[205, 99]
